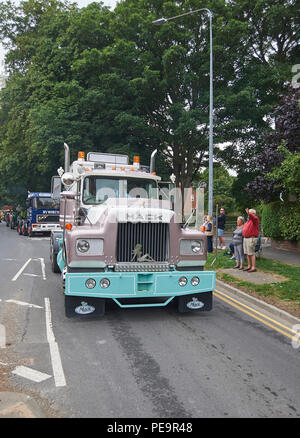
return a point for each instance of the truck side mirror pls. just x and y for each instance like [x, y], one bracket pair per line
[55, 187]
[28, 203]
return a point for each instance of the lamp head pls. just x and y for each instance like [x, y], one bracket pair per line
[159, 21]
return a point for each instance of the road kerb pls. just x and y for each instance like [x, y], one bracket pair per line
[271, 309]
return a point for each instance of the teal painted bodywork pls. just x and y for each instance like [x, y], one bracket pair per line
[59, 258]
[139, 285]
[136, 284]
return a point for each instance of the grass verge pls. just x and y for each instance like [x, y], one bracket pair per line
[285, 295]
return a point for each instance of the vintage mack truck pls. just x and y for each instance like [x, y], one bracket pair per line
[120, 241]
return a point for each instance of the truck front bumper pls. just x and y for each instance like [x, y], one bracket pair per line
[43, 228]
[139, 285]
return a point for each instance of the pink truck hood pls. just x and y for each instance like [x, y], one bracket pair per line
[116, 210]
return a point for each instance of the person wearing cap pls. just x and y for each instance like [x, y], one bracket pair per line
[250, 234]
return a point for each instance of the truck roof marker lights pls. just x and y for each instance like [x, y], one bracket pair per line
[81, 155]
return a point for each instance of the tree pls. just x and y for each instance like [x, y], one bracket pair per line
[275, 163]
[222, 188]
[112, 81]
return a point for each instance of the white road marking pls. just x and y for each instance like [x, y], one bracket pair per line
[102, 342]
[31, 374]
[43, 268]
[22, 303]
[32, 275]
[58, 372]
[21, 270]
[10, 260]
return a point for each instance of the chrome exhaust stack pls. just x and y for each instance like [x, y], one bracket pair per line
[67, 157]
[152, 161]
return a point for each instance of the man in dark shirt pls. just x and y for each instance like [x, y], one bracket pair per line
[221, 227]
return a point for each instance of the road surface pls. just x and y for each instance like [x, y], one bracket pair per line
[137, 363]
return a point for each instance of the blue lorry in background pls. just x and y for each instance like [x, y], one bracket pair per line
[42, 215]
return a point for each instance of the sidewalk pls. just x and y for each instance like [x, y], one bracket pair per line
[292, 258]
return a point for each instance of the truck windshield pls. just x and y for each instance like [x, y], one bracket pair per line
[45, 203]
[97, 189]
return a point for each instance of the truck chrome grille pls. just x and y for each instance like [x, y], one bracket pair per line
[142, 267]
[44, 218]
[153, 237]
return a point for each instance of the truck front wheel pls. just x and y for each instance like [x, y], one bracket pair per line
[83, 306]
[54, 265]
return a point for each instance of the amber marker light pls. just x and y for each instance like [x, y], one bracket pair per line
[68, 226]
[136, 159]
[81, 155]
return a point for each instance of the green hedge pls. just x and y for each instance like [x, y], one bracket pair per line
[281, 220]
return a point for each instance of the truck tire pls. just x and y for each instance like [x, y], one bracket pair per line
[30, 233]
[195, 302]
[84, 306]
[54, 249]
[20, 228]
[54, 265]
[24, 229]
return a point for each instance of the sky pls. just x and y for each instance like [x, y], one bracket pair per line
[81, 4]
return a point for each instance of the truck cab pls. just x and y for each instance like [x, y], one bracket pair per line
[122, 242]
[42, 215]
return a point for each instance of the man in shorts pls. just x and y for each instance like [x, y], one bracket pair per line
[250, 234]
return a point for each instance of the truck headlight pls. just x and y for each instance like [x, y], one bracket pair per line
[89, 247]
[105, 283]
[90, 283]
[191, 247]
[196, 246]
[195, 281]
[182, 281]
[83, 245]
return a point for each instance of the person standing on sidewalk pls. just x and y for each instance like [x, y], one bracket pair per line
[221, 227]
[209, 231]
[238, 244]
[250, 234]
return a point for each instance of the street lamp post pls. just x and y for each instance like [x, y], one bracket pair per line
[162, 20]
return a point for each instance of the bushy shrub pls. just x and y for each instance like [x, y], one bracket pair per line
[270, 220]
[281, 220]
